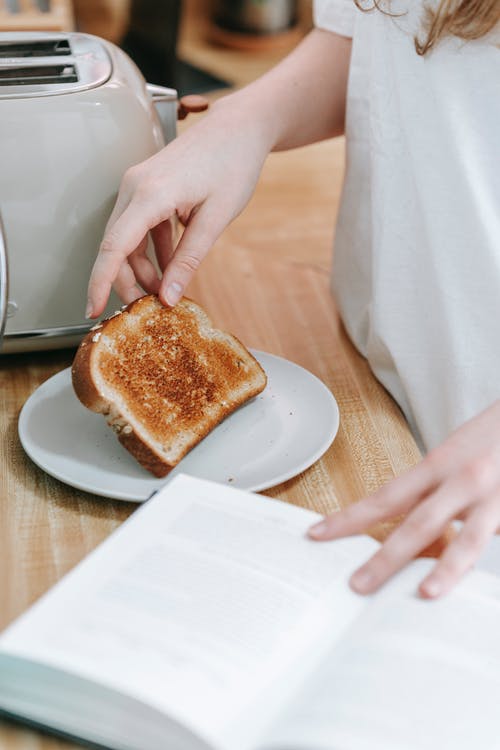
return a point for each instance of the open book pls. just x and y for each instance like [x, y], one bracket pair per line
[209, 620]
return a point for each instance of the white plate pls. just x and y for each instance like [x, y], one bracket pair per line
[270, 439]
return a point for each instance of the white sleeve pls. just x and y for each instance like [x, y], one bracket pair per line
[335, 15]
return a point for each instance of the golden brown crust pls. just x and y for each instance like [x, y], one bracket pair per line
[144, 455]
[170, 376]
[81, 376]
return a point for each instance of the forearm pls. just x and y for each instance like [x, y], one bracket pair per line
[301, 100]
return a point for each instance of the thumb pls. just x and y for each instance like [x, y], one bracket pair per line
[198, 237]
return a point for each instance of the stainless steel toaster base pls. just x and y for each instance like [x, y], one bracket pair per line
[43, 340]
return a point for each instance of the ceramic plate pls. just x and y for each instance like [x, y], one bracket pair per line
[270, 439]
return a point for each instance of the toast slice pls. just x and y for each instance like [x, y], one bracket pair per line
[163, 378]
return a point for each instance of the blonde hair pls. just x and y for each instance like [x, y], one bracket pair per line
[467, 19]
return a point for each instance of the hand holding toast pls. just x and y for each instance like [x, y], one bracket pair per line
[205, 177]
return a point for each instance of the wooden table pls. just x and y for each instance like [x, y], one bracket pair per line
[266, 280]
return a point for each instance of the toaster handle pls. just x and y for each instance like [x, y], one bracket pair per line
[165, 101]
[4, 285]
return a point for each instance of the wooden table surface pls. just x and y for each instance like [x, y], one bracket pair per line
[266, 280]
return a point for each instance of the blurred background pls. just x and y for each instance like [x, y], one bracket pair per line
[195, 46]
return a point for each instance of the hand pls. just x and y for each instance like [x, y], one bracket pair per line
[207, 175]
[458, 480]
[205, 178]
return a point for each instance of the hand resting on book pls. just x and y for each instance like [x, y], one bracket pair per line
[459, 480]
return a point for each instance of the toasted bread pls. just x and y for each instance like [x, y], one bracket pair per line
[163, 378]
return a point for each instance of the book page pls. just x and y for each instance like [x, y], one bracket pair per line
[203, 597]
[412, 674]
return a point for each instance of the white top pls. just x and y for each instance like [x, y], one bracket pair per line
[417, 249]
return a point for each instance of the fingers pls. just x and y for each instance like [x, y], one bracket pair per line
[464, 550]
[115, 264]
[426, 522]
[163, 241]
[125, 285]
[122, 239]
[431, 503]
[144, 270]
[469, 488]
[394, 498]
[201, 232]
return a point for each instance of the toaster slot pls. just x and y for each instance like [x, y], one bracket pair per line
[53, 74]
[49, 64]
[35, 48]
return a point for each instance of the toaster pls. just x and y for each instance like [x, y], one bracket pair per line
[75, 113]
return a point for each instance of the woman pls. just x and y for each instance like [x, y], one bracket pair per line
[417, 256]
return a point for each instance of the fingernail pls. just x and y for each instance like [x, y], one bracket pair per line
[173, 293]
[431, 588]
[88, 310]
[362, 580]
[318, 530]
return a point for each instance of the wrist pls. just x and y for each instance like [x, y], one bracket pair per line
[246, 112]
